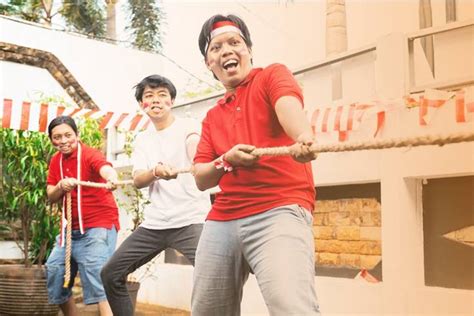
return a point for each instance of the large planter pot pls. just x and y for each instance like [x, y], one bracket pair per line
[23, 291]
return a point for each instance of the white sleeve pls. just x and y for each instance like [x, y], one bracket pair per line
[193, 128]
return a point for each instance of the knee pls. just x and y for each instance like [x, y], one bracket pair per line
[111, 275]
[279, 302]
[284, 301]
[106, 274]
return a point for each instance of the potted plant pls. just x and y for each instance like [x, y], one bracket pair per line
[31, 221]
[29, 218]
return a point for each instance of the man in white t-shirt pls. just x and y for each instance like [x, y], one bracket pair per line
[175, 216]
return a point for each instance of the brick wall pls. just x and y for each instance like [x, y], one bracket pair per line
[347, 233]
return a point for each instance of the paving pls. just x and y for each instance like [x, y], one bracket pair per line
[141, 310]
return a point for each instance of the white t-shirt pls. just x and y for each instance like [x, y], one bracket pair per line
[178, 202]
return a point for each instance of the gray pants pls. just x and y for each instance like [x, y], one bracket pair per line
[138, 249]
[276, 245]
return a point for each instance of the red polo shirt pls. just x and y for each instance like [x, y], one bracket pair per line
[248, 117]
[98, 205]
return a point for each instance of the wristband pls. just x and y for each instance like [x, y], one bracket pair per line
[221, 163]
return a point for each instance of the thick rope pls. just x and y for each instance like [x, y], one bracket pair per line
[102, 185]
[289, 150]
[67, 260]
[378, 144]
[124, 182]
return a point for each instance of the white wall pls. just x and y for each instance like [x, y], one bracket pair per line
[106, 72]
[10, 250]
[292, 32]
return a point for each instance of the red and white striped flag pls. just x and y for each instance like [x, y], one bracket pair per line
[338, 118]
[465, 105]
[342, 119]
[433, 99]
[36, 117]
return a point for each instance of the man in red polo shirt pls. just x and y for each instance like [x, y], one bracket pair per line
[94, 217]
[261, 220]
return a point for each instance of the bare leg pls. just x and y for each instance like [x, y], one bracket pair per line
[69, 308]
[104, 309]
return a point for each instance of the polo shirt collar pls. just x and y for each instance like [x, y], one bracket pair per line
[250, 76]
[73, 154]
[227, 95]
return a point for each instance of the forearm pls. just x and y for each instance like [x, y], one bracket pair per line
[108, 173]
[292, 117]
[54, 192]
[191, 146]
[143, 178]
[206, 175]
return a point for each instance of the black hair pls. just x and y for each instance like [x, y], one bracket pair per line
[154, 81]
[205, 35]
[62, 120]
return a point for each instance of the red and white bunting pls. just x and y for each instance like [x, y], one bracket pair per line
[338, 120]
[36, 117]
[343, 119]
[464, 105]
[433, 99]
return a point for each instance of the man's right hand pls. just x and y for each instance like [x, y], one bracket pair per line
[67, 184]
[165, 172]
[239, 155]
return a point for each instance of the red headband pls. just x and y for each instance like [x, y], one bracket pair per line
[223, 27]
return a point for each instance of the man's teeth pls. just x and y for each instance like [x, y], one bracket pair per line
[230, 63]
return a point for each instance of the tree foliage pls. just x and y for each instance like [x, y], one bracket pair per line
[90, 133]
[84, 16]
[30, 10]
[146, 19]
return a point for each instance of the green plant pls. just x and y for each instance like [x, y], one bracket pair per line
[24, 205]
[90, 133]
[146, 18]
[136, 200]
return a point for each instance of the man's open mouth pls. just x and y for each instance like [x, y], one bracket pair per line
[230, 64]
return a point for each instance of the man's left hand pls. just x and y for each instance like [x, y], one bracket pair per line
[111, 184]
[302, 149]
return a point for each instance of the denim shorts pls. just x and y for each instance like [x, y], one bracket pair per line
[90, 251]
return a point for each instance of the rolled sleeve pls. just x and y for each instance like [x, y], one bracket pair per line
[205, 150]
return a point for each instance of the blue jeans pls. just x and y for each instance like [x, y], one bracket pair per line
[276, 245]
[90, 251]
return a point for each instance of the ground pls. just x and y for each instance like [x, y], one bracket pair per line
[141, 310]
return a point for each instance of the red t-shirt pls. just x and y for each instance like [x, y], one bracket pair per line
[98, 205]
[248, 117]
